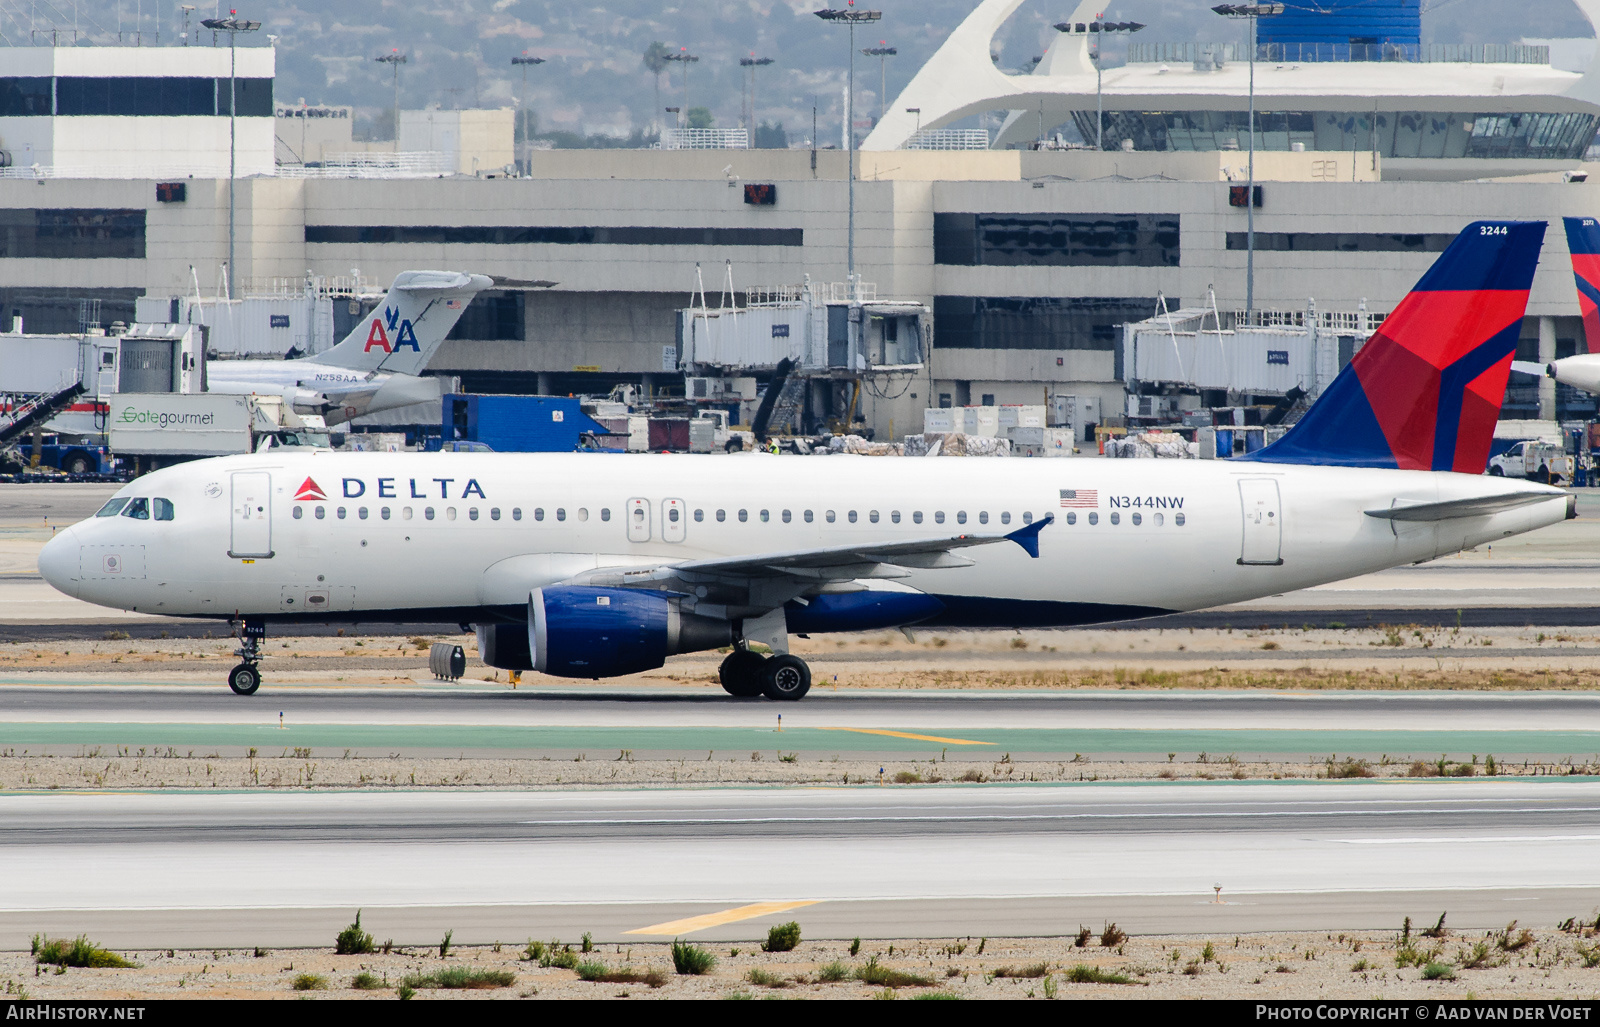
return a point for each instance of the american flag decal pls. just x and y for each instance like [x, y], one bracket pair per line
[1080, 497]
[452, 304]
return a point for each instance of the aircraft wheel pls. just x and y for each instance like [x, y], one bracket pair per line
[1495, 472]
[786, 677]
[244, 679]
[740, 673]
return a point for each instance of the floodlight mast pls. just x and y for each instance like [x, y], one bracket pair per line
[850, 16]
[1098, 28]
[684, 57]
[882, 52]
[1254, 12]
[394, 58]
[232, 25]
[524, 61]
[753, 62]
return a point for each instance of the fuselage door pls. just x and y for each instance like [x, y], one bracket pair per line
[673, 517]
[638, 520]
[1263, 521]
[251, 535]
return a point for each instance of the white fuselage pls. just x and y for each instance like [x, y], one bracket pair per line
[398, 534]
[338, 393]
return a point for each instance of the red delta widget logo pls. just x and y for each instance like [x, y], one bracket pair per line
[309, 490]
[391, 325]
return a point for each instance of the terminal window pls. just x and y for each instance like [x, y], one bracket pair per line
[72, 234]
[1345, 242]
[570, 235]
[491, 315]
[133, 96]
[1056, 240]
[1044, 322]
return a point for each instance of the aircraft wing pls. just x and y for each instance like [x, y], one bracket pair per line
[737, 586]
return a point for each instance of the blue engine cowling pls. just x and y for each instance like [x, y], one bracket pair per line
[577, 631]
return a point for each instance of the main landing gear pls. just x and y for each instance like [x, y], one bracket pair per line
[246, 677]
[747, 674]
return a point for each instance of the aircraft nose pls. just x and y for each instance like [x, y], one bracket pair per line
[58, 562]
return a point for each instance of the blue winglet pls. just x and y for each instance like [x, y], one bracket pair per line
[1027, 536]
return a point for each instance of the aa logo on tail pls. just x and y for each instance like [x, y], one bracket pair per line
[404, 335]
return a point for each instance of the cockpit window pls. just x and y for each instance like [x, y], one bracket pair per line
[112, 508]
[163, 509]
[138, 509]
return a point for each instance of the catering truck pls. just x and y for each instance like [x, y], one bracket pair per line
[152, 430]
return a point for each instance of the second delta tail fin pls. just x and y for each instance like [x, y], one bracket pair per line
[405, 330]
[1583, 239]
[1424, 393]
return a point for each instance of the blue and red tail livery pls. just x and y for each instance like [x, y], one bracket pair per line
[1583, 239]
[1424, 393]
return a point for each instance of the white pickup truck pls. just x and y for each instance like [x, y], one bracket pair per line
[1535, 460]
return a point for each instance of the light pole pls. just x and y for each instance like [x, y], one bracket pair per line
[524, 61]
[232, 25]
[1254, 12]
[1098, 28]
[394, 58]
[685, 58]
[850, 16]
[187, 9]
[753, 62]
[882, 52]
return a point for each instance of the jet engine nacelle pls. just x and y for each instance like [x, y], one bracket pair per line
[581, 632]
[504, 646]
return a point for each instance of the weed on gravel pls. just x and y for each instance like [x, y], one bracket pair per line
[80, 951]
[462, 977]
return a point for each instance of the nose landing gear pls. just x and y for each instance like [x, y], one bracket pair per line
[246, 677]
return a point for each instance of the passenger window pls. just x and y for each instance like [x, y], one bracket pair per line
[810, 516]
[983, 517]
[828, 516]
[427, 512]
[516, 514]
[297, 512]
[1177, 519]
[744, 515]
[538, 513]
[1136, 520]
[561, 513]
[405, 513]
[699, 515]
[787, 516]
[472, 513]
[765, 517]
[1094, 518]
[961, 517]
[672, 515]
[894, 515]
[722, 515]
[938, 517]
[494, 513]
[322, 513]
[1158, 519]
[1005, 518]
[112, 508]
[384, 513]
[1027, 517]
[583, 513]
[163, 509]
[605, 513]
[916, 517]
[340, 513]
[449, 513]
[872, 515]
[362, 513]
[1072, 517]
[1116, 518]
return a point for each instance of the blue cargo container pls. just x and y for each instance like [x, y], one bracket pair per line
[517, 424]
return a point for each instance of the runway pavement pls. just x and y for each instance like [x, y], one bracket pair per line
[281, 868]
[676, 724]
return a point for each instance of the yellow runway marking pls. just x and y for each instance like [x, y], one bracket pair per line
[727, 916]
[905, 734]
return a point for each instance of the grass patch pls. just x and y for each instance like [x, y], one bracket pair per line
[1112, 936]
[1513, 940]
[1438, 972]
[1351, 767]
[598, 973]
[782, 937]
[1478, 957]
[937, 996]
[1031, 970]
[557, 955]
[976, 777]
[691, 959]
[872, 972]
[365, 981]
[833, 973]
[1083, 973]
[765, 979]
[907, 777]
[310, 982]
[80, 951]
[461, 977]
[353, 941]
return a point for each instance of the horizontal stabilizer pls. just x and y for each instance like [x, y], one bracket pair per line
[1477, 506]
[1529, 367]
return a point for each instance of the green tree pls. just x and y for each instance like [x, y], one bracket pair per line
[700, 117]
[655, 62]
[770, 136]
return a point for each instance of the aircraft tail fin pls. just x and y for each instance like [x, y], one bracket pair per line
[1583, 239]
[404, 331]
[1425, 391]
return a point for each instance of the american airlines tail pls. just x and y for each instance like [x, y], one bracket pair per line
[401, 335]
[1425, 391]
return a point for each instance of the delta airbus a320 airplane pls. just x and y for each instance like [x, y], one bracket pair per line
[592, 566]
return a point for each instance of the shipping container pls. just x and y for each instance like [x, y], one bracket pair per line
[517, 424]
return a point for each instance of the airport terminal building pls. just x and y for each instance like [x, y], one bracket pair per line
[1031, 258]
